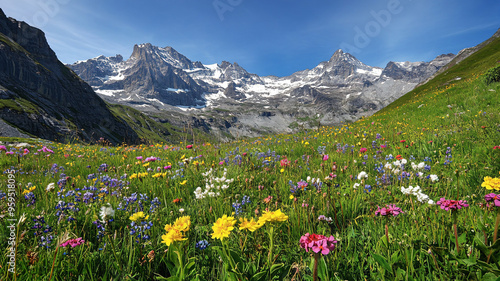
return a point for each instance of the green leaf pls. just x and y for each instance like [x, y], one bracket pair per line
[259, 276]
[489, 277]
[275, 267]
[395, 257]
[468, 262]
[382, 262]
[323, 269]
[400, 274]
[462, 238]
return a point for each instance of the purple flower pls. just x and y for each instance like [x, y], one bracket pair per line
[493, 197]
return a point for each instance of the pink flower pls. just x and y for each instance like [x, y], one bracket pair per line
[325, 157]
[493, 197]
[138, 157]
[26, 151]
[383, 146]
[3, 147]
[284, 162]
[390, 209]
[73, 242]
[167, 167]
[317, 243]
[362, 150]
[9, 152]
[452, 204]
[189, 146]
[45, 149]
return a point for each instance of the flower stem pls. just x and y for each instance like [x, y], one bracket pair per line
[315, 269]
[454, 213]
[497, 222]
[271, 245]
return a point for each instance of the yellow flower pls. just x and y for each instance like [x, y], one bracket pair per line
[282, 170]
[183, 182]
[491, 183]
[276, 216]
[291, 197]
[172, 236]
[182, 223]
[222, 227]
[133, 176]
[29, 190]
[138, 216]
[251, 225]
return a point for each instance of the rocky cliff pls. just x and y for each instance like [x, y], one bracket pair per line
[44, 98]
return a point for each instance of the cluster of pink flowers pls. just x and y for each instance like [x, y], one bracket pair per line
[73, 242]
[363, 150]
[493, 197]
[390, 209]
[284, 162]
[452, 204]
[45, 149]
[318, 243]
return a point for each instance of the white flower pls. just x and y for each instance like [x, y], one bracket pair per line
[21, 219]
[362, 175]
[421, 165]
[106, 211]
[403, 161]
[434, 178]
[397, 163]
[356, 185]
[388, 166]
[181, 210]
[50, 187]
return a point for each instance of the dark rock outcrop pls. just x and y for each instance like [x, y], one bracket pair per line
[43, 97]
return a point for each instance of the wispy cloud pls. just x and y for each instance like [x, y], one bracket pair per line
[473, 29]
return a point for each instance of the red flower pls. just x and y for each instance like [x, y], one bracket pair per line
[399, 157]
[484, 127]
[496, 147]
[362, 150]
[189, 146]
[402, 141]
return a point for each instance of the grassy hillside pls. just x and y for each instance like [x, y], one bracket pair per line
[403, 195]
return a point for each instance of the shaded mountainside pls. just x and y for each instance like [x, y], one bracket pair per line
[42, 97]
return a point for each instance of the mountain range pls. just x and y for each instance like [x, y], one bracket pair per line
[158, 93]
[156, 80]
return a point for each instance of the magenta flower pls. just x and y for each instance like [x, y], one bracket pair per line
[73, 242]
[493, 197]
[151, 159]
[167, 167]
[317, 243]
[45, 149]
[189, 146]
[9, 152]
[3, 147]
[452, 204]
[390, 209]
[362, 150]
[325, 157]
[26, 151]
[138, 157]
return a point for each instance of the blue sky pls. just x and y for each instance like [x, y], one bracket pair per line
[265, 37]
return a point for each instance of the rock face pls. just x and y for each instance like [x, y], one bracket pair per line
[43, 97]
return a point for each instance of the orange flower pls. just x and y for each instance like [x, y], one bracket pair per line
[177, 200]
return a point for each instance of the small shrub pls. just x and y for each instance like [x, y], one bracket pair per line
[493, 75]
